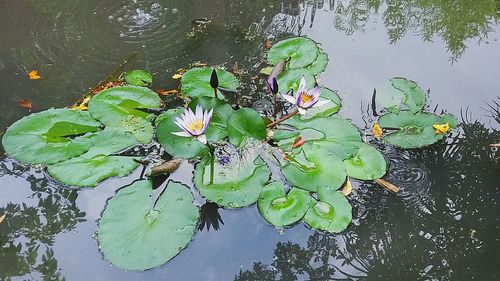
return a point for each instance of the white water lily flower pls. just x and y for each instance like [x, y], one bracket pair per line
[305, 99]
[194, 124]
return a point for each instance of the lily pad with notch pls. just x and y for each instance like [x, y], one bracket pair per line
[314, 169]
[120, 108]
[245, 123]
[98, 163]
[332, 213]
[136, 234]
[300, 51]
[236, 184]
[196, 82]
[281, 209]
[367, 164]
[319, 65]
[50, 136]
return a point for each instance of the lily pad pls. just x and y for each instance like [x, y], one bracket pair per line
[237, 184]
[319, 65]
[217, 129]
[97, 164]
[196, 82]
[414, 130]
[177, 146]
[281, 209]
[414, 96]
[49, 136]
[325, 110]
[245, 123]
[332, 213]
[134, 235]
[119, 107]
[340, 136]
[290, 79]
[390, 98]
[300, 50]
[367, 164]
[315, 169]
[138, 77]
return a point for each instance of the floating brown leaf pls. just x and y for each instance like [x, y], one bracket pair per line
[163, 92]
[346, 190]
[267, 44]
[2, 218]
[26, 103]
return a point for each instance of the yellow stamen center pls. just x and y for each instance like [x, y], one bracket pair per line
[195, 126]
[306, 97]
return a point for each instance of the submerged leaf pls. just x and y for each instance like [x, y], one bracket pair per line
[280, 209]
[138, 77]
[134, 235]
[50, 136]
[26, 103]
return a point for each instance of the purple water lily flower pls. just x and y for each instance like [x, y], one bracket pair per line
[305, 99]
[194, 124]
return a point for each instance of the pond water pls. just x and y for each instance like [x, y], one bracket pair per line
[443, 225]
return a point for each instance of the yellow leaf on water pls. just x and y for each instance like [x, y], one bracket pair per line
[441, 128]
[34, 75]
[346, 190]
[177, 76]
[377, 131]
[2, 218]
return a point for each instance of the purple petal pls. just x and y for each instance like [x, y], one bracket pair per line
[315, 92]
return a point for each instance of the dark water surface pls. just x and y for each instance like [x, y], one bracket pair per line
[443, 225]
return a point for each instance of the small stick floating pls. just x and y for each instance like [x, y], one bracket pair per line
[387, 185]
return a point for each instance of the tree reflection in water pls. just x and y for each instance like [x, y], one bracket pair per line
[393, 238]
[28, 232]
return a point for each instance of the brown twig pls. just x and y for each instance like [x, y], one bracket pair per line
[387, 185]
[270, 125]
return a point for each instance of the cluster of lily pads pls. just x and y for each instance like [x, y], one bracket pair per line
[233, 151]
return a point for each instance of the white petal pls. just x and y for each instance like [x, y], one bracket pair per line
[315, 92]
[289, 99]
[320, 103]
[181, 134]
[302, 111]
[202, 138]
[302, 85]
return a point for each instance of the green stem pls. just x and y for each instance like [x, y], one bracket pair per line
[215, 92]
[212, 159]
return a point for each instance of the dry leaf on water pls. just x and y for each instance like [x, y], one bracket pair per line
[267, 45]
[163, 92]
[26, 103]
[377, 131]
[2, 218]
[34, 75]
[346, 190]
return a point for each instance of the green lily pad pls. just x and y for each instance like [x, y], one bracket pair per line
[138, 77]
[280, 209]
[414, 96]
[414, 130]
[367, 164]
[340, 136]
[332, 214]
[290, 79]
[315, 169]
[237, 184]
[96, 164]
[217, 129]
[49, 136]
[177, 146]
[325, 110]
[134, 235]
[196, 82]
[245, 123]
[319, 65]
[300, 50]
[390, 98]
[118, 107]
